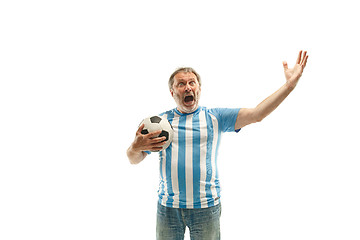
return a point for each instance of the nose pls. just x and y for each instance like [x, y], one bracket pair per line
[187, 88]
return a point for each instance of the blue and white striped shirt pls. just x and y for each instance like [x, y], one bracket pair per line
[188, 167]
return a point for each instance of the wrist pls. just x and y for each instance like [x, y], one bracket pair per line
[135, 156]
[133, 149]
[290, 85]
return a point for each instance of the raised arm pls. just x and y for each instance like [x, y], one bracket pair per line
[247, 116]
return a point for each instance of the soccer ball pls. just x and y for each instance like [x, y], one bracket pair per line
[158, 123]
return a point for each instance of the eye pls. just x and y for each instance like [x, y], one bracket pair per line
[181, 84]
[192, 83]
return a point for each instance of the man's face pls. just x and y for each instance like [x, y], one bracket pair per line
[186, 92]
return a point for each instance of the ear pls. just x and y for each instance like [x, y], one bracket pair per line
[172, 93]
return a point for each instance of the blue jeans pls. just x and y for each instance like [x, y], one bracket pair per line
[203, 223]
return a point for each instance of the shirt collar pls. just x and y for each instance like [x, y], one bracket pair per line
[184, 114]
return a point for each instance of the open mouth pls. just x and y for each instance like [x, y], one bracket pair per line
[189, 99]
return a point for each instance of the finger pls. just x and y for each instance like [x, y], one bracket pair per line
[305, 61]
[303, 58]
[156, 149]
[285, 65]
[153, 134]
[157, 146]
[299, 57]
[140, 128]
[158, 140]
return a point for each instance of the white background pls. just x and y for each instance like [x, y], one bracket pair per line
[77, 77]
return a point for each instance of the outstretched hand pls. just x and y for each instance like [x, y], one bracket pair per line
[293, 74]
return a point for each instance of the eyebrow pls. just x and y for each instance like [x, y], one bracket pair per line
[181, 79]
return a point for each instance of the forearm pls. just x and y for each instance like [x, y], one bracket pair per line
[135, 156]
[272, 102]
[248, 116]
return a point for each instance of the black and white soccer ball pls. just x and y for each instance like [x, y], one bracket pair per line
[158, 123]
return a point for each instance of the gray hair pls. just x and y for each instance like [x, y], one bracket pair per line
[183, 69]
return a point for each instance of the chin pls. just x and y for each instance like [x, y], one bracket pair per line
[189, 109]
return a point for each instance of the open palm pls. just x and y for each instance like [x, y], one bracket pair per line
[293, 75]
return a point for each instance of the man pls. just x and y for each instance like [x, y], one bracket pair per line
[189, 192]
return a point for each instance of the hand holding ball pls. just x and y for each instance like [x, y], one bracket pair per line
[158, 123]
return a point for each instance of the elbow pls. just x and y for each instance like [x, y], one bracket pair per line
[259, 117]
[248, 116]
[255, 115]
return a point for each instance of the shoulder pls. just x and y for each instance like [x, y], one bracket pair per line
[226, 117]
[168, 113]
[223, 112]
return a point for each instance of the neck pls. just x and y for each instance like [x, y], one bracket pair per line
[186, 112]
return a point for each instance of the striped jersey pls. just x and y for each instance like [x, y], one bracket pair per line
[188, 167]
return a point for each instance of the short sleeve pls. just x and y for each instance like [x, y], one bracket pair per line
[226, 118]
